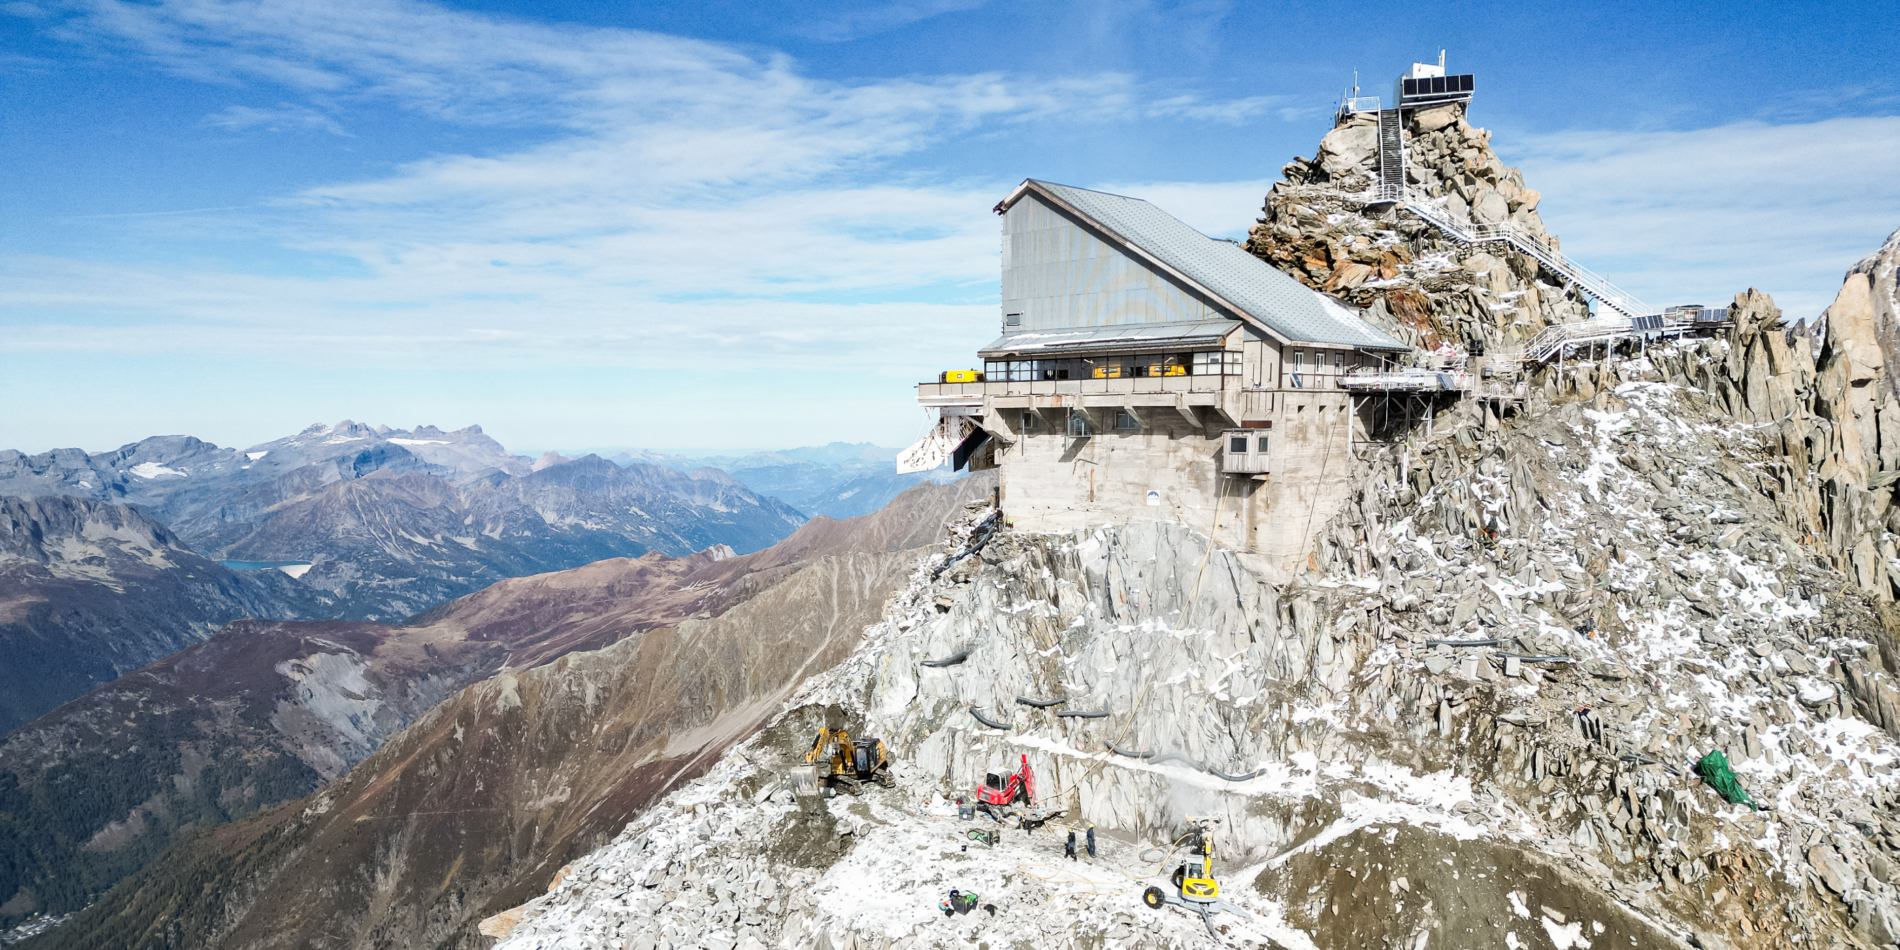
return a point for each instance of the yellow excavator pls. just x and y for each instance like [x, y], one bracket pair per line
[1195, 889]
[836, 761]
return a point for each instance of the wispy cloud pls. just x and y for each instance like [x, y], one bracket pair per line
[283, 118]
[1234, 111]
[688, 202]
[1696, 216]
[856, 23]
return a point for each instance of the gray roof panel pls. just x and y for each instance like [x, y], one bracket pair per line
[1033, 343]
[1289, 308]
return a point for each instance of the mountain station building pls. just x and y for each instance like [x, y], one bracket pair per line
[1146, 371]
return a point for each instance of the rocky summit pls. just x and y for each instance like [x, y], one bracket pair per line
[1322, 225]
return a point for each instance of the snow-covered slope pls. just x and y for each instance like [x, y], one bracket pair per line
[1376, 786]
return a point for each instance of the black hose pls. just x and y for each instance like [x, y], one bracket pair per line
[1040, 703]
[993, 724]
[1462, 643]
[1118, 750]
[1178, 757]
[1083, 714]
[1217, 773]
[1190, 763]
[979, 536]
[951, 660]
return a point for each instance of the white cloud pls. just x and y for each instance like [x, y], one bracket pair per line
[1697, 216]
[850, 24]
[284, 118]
[689, 204]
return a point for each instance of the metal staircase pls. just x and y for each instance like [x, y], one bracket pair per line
[1626, 317]
[1584, 279]
[1391, 153]
[1390, 188]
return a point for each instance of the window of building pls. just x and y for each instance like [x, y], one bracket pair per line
[1237, 445]
[1012, 319]
[1126, 421]
[1032, 421]
[1339, 361]
[1217, 363]
[1079, 426]
[1263, 445]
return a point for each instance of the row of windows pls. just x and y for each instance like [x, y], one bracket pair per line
[1078, 425]
[1334, 361]
[1207, 363]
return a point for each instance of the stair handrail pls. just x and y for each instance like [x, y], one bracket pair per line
[1591, 282]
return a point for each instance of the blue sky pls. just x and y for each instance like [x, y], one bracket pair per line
[717, 224]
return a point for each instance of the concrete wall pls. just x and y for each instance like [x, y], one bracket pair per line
[1051, 482]
[1059, 274]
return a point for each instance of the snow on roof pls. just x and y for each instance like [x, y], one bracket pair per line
[1098, 339]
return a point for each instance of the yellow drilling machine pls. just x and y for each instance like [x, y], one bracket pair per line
[836, 761]
[1195, 889]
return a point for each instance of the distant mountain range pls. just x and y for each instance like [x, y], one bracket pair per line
[839, 480]
[112, 560]
[393, 521]
[690, 653]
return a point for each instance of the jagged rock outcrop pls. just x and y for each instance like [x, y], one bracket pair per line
[1820, 397]
[1416, 282]
[473, 808]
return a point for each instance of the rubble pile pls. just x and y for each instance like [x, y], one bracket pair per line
[1416, 283]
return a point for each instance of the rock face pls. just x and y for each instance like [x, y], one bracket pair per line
[1474, 725]
[1822, 400]
[397, 521]
[1419, 284]
[474, 807]
[90, 590]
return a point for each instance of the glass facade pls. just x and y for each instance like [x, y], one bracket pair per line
[1140, 366]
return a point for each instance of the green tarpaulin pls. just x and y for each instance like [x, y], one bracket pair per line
[1715, 771]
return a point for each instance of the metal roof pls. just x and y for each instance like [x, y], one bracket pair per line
[1108, 339]
[1287, 308]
